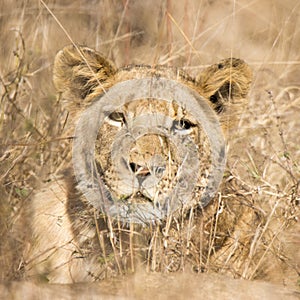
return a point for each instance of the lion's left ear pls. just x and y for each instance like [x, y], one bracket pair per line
[81, 73]
[230, 79]
[226, 85]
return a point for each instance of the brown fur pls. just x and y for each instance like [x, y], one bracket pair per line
[226, 85]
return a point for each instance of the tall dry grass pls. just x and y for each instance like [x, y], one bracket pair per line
[260, 194]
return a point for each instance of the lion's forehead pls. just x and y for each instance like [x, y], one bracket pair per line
[154, 106]
[146, 71]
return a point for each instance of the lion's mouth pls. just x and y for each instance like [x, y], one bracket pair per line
[140, 193]
[138, 198]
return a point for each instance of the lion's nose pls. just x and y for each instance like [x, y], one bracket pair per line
[148, 172]
[138, 170]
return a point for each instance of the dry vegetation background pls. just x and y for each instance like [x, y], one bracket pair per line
[263, 164]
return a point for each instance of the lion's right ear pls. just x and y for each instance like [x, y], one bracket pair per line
[80, 74]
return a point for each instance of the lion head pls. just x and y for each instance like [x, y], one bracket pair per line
[148, 139]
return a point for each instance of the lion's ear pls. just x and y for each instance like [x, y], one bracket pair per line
[230, 79]
[81, 73]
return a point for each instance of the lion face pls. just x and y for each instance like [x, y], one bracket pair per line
[150, 163]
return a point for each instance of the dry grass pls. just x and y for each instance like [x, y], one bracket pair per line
[251, 231]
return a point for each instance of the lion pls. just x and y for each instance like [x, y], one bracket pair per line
[74, 241]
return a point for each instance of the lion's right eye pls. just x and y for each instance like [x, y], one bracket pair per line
[117, 118]
[183, 126]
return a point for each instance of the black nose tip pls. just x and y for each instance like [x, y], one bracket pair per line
[139, 170]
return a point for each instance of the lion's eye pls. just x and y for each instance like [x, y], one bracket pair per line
[213, 99]
[117, 118]
[183, 126]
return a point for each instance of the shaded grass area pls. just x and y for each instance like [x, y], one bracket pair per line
[145, 286]
[252, 228]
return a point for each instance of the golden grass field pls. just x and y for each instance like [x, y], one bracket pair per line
[263, 164]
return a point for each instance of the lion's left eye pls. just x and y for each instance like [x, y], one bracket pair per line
[183, 126]
[117, 118]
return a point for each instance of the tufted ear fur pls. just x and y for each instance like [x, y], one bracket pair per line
[226, 86]
[230, 72]
[80, 74]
